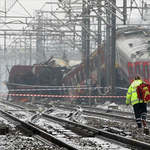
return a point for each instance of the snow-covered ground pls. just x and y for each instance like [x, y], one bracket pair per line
[10, 142]
[81, 143]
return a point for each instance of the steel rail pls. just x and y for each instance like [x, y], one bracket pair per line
[105, 112]
[29, 127]
[97, 133]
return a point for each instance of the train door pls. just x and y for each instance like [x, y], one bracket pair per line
[145, 72]
[130, 72]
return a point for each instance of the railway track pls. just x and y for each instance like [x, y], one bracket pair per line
[32, 130]
[103, 113]
[73, 127]
[94, 132]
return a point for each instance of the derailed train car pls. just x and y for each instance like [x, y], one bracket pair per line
[36, 79]
[133, 53]
[76, 78]
[132, 57]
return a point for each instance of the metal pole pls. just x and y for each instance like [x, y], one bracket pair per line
[125, 11]
[39, 48]
[25, 55]
[113, 79]
[30, 53]
[108, 47]
[0, 77]
[88, 49]
[88, 44]
[99, 44]
[5, 41]
[83, 33]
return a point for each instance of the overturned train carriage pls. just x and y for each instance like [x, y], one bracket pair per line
[133, 53]
[36, 79]
[132, 57]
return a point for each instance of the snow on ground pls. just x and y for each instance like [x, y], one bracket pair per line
[10, 142]
[88, 143]
[14, 140]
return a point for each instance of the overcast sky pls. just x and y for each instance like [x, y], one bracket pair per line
[20, 7]
[28, 7]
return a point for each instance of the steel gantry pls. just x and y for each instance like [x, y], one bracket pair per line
[65, 26]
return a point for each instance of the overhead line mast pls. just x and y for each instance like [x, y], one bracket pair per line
[82, 25]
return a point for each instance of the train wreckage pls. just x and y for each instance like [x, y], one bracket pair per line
[36, 79]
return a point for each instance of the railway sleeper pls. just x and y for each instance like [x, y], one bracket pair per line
[68, 126]
[82, 131]
[25, 130]
[4, 130]
[78, 130]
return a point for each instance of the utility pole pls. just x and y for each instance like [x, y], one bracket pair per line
[83, 32]
[99, 44]
[88, 50]
[113, 47]
[25, 55]
[88, 42]
[108, 46]
[125, 11]
[39, 47]
[5, 41]
[30, 51]
[0, 77]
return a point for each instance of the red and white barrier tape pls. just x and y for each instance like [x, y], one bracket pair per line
[62, 89]
[35, 95]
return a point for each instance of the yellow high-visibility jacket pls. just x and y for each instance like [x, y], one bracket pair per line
[131, 96]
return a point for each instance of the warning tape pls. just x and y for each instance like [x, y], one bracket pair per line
[53, 89]
[76, 96]
[91, 88]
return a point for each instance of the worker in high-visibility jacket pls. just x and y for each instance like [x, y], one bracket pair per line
[139, 107]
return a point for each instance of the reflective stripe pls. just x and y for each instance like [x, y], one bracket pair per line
[128, 93]
[144, 115]
[133, 91]
[138, 118]
[128, 99]
[135, 100]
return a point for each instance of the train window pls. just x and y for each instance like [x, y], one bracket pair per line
[75, 78]
[69, 82]
[146, 72]
[137, 69]
[141, 71]
[78, 78]
[131, 74]
[96, 62]
[123, 64]
[72, 82]
[82, 75]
